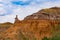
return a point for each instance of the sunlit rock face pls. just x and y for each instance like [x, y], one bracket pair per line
[35, 26]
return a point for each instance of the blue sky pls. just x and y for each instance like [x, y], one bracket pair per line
[10, 8]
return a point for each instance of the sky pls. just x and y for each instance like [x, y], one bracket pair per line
[10, 8]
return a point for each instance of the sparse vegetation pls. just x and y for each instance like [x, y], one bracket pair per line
[45, 38]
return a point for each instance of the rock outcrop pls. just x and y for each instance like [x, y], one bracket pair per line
[35, 26]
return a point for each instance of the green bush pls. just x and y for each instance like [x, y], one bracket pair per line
[45, 38]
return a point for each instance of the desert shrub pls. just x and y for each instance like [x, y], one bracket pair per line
[45, 38]
[55, 38]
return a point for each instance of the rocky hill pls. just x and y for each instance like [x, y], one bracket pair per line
[48, 13]
[42, 24]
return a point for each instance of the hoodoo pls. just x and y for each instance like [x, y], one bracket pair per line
[16, 19]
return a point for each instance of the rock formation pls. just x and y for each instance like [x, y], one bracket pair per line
[35, 26]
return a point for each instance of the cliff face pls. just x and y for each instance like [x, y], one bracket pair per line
[35, 26]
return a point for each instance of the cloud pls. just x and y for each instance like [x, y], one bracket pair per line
[10, 8]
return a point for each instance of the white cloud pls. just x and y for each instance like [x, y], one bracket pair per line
[22, 11]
